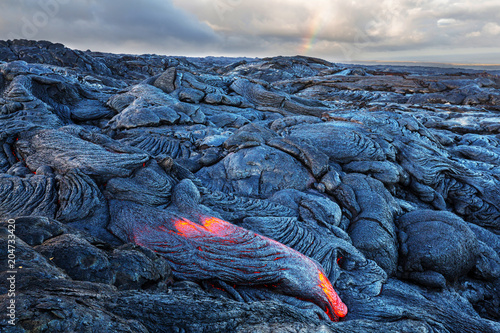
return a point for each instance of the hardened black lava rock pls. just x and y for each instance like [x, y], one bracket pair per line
[149, 193]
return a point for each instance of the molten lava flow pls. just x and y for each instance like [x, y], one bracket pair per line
[214, 248]
[337, 305]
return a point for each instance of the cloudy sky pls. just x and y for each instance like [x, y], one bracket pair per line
[453, 31]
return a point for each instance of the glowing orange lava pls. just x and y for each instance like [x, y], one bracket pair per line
[212, 226]
[217, 226]
[189, 229]
[338, 307]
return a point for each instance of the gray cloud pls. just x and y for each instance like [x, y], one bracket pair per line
[128, 25]
[349, 30]
[431, 30]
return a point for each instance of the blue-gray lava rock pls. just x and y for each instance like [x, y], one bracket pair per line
[385, 178]
[435, 247]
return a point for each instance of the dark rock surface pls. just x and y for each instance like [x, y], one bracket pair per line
[117, 169]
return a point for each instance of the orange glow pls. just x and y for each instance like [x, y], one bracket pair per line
[218, 227]
[338, 307]
[188, 229]
[212, 226]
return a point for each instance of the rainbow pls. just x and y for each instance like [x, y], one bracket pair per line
[312, 34]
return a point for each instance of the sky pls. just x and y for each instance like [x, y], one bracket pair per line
[445, 31]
